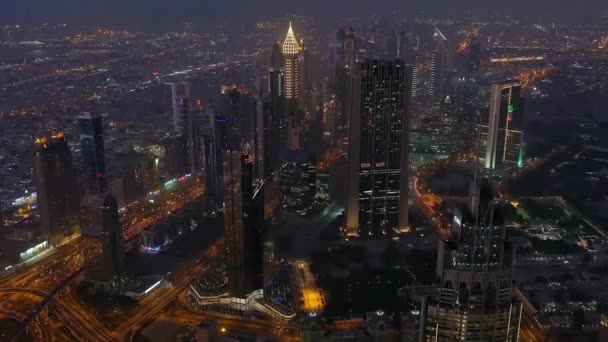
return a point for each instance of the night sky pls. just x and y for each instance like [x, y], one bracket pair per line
[125, 12]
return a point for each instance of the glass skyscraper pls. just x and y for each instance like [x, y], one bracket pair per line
[93, 152]
[504, 134]
[377, 203]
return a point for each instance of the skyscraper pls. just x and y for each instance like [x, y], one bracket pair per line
[241, 233]
[181, 97]
[504, 135]
[350, 49]
[93, 152]
[113, 249]
[377, 199]
[276, 59]
[303, 88]
[58, 197]
[345, 70]
[298, 181]
[291, 51]
[472, 299]
[184, 123]
[439, 60]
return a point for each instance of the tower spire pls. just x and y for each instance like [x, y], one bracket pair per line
[290, 45]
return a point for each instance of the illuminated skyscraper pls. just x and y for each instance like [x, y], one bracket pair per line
[439, 60]
[242, 234]
[93, 153]
[377, 200]
[504, 135]
[472, 299]
[58, 197]
[291, 51]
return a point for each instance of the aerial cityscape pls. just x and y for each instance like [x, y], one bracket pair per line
[348, 170]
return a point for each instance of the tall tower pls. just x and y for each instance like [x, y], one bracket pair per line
[276, 59]
[472, 299]
[377, 203]
[274, 115]
[181, 97]
[113, 247]
[241, 233]
[184, 123]
[93, 153]
[505, 136]
[350, 49]
[439, 60]
[303, 95]
[58, 198]
[291, 51]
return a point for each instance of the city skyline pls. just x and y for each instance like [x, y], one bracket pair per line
[195, 170]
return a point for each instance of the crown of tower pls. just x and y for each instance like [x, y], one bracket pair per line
[290, 45]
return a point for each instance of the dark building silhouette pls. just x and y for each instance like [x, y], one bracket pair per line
[58, 196]
[242, 236]
[93, 152]
[113, 246]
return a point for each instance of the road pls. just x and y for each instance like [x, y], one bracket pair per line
[280, 332]
[29, 283]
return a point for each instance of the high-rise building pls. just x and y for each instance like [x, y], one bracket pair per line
[276, 59]
[291, 53]
[303, 87]
[439, 60]
[350, 49]
[113, 249]
[58, 197]
[211, 168]
[241, 234]
[344, 73]
[298, 181]
[267, 139]
[93, 153]
[377, 199]
[504, 135]
[184, 123]
[472, 299]
[175, 163]
[100, 221]
[181, 96]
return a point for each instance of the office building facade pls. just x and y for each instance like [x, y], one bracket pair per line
[472, 299]
[503, 137]
[439, 60]
[93, 151]
[297, 179]
[377, 199]
[58, 197]
[241, 233]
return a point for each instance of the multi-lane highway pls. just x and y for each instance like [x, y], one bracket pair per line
[26, 287]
